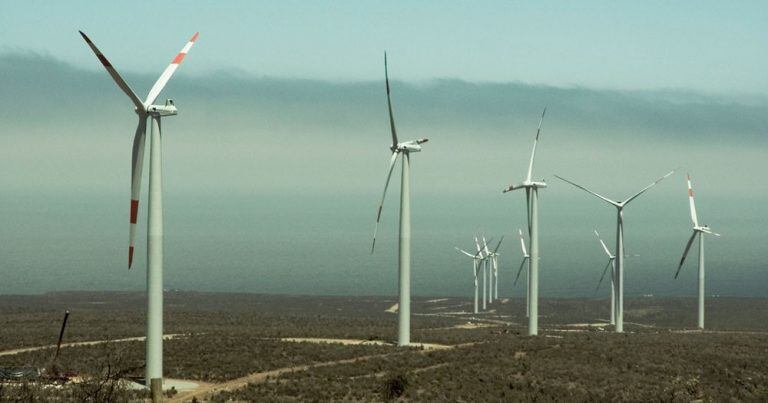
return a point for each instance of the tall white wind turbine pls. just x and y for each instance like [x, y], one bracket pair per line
[612, 264]
[698, 230]
[476, 261]
[403, 149]
[532, 207]
[526, 258]
[619, 281]
[144, 110]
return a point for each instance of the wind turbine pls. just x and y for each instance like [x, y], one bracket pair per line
[404, 251]
[495, 265]
[699, 230]
[526, 258]
[619, 282]
[476, 261]
[532, 207]
[484, 263]
[144, 110]
[489, 268]
[612, 265]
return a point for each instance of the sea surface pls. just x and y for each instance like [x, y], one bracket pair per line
[296, 243]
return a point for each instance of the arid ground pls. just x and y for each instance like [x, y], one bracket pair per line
[309, 348]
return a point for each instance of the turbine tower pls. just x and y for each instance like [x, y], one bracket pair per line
[495, 266]
[489, 269]
[484, 263]
[698, 230]
[532, 208]
[619, 284]
[476, 261]
[148, 110]
[612, 265]
[404, 251]
[526, 258]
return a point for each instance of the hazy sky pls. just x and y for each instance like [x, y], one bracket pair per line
[702, 45]
[274, 166]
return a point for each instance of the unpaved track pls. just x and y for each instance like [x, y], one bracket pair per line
[204, 391]
[86, 343]
[258, 377]
[359, 342]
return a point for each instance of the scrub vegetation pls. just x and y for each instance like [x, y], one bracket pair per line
[485, 357]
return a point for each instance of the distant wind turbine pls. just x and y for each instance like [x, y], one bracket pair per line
[526, 258]
[532, 207]
[619, 285]
[489, 268]
[612, 265]
[698, 230]
[484, 263]
[404, 251]
[495, 265]
[144, 110]
[476, 261]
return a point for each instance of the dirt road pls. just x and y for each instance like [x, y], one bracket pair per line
[85, 343]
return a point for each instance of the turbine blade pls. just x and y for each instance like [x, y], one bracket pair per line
[383, 195]
[389, 105]
[522, 243]
[137, 163]
[650, 186]
[605, 248]
[685, 253]
[520, 270]
[603, 276]
[498, 245]
[464, 252]
[485, 246]
[535, 141]
[588, 191]
[694, 217]
[528, 208]
[115, 75]
[163, 80]
[514, 187]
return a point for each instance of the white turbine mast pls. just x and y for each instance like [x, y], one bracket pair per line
[532, 208]
[489, 269]
[144, 110]
[403, 149]
[698, 230]
[494, 256]
[619, 281]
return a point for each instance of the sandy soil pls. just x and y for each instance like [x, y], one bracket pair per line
[347, 342]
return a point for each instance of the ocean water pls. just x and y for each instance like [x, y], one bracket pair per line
[298, 243]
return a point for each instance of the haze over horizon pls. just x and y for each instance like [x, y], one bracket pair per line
[272, 174]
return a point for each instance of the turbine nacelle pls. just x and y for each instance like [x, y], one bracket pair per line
[705, 229]
[526, 184]
[409, 146]
[169, 109]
